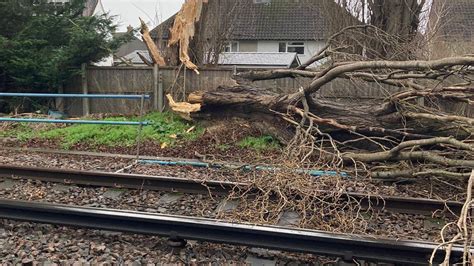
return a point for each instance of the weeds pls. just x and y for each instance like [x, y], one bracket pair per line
[19, 131]
[259, 143]
[165, 128]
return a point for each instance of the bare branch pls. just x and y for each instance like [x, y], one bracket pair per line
[405, 65]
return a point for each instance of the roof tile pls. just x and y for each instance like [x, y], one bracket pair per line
[279, 20]
[459, 22]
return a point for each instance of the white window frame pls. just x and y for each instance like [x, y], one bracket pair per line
[229, 45]
[292, 44]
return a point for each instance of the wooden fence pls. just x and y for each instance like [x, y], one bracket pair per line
[147, 80]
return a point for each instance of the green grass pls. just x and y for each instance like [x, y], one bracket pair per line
[20, 131]
[259, 143]
[165, 128]
[223, 147]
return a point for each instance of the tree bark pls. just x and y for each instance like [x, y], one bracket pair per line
[397, 18]
[331, 116]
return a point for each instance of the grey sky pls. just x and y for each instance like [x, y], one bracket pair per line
[152, 11]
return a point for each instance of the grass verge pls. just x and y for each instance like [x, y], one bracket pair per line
[165, 128]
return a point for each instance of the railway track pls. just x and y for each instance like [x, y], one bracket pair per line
[348, 247]
[89, 153]
[164, 183]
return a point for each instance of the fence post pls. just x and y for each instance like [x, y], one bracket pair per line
[161, 93]
[157, 89]
[60, 101]
[85, 90]
[184, 84]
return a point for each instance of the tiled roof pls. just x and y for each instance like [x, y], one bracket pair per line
[278, 20]
[459, 22]
[128, 47]
[234, 59]
[134, 58]
[282, 20]
[258, 59]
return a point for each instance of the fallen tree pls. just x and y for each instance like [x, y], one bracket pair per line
[402, 128]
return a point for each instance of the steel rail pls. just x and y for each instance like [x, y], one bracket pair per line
[100, 154]
[163, 183]
[118, 180]
[297, 240]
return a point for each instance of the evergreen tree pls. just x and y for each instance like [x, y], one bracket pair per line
[43, 44]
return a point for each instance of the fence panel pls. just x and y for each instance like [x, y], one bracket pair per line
[138, 80]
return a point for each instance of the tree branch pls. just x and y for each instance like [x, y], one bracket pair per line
[406, 65]
[417, 173]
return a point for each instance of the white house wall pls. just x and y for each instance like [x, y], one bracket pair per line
[248, 46]
[267, 46]
[311, 47]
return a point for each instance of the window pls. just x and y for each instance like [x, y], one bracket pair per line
[291, 47]
[231, 47]
[282, 47]
[262, 1]
[295, 47]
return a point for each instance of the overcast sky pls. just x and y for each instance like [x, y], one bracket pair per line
[152, 11]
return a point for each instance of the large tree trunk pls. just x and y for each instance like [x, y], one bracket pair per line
[399, 18]
[371, 119]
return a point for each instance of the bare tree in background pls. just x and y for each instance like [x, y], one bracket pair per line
[398, 18]
[218, 15]
[90, 7]
[396, 23]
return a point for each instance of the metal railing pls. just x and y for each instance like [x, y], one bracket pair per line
[68, 121]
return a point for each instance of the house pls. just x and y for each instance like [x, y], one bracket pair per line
[265, 27]
[89, 6]
[127, 52]
[451, 22]
[133, 59]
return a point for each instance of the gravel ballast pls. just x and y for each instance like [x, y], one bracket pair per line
[27, 242]
[431, 189]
